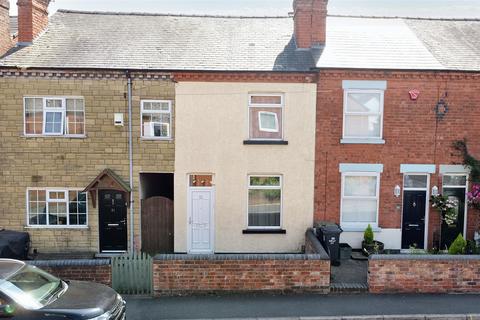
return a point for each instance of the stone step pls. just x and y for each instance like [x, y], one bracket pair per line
[348, 287]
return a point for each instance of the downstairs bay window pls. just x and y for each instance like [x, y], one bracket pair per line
[56, 208]
[360, 199]
[54, 116]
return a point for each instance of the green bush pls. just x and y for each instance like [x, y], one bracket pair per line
[458, 246]
[368, 235]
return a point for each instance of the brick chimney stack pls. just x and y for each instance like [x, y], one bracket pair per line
[32, 19]
[310, 18]
[5, 36]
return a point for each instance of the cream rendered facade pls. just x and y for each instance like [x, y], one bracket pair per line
[211, 126]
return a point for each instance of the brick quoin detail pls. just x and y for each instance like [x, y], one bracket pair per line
[98, 274]
[172, 277]
[424, 276]
[410, 131]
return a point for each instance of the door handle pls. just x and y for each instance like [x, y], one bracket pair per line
[190, 220]
[113, 224]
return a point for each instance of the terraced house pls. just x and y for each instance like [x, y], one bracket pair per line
[222, 128]
[214, 134]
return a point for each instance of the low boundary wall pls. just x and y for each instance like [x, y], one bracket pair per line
[424, 273]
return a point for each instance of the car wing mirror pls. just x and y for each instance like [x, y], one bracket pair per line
[7, 311]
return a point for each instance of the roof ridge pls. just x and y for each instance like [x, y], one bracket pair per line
[117, 13]
[401, 17]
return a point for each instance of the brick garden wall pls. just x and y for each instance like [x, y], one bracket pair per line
[98, 271]
[187, 274]
[424, 274]
[410, 131]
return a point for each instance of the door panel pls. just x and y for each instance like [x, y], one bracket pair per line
[450, 233]
[413, 223]
[201, 207]
[157, 225]
[112, 214]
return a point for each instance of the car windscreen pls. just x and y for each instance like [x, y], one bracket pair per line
[31, 288]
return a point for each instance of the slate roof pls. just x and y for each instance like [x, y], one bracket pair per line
[167, 42]
[77, 39]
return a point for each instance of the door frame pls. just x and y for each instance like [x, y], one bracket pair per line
[465, 216]
[189, 215]
[427, 204]
[99, 225]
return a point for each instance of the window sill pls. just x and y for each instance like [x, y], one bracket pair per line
[361, 141]
[264, 231]
[360, 229]
[57, 228]
[156, 139]
[265, 142]
[30, 136]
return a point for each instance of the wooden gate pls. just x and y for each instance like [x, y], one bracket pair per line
[132, 273]
[157, 225]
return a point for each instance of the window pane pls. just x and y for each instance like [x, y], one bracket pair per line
[454, 180]
[259, 99]
[359, 210]
[363, 102]
[156, 124]
[160, 106]
[53, 122]
[268, 121]
[256, 131]
[264, 208]
[362, 126]
[415, 181]
[54, 103]
[360, 186]
[201, 180]
[265, 181]
[32, 195]
[33, 116]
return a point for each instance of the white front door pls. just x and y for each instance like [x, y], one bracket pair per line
[200, 219]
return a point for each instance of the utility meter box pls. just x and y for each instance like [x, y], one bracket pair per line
[118, 119]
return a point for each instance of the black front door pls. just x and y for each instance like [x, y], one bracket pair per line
[112, 213]
[451, 232]
[413, 225]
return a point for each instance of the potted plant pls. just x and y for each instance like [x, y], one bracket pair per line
[369, 244]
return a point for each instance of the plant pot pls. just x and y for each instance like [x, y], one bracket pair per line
[345, 251]
[372, 248]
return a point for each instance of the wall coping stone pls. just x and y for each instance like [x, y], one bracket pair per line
[310, 235]
[436, 257]
[69, 263]
[239, 257]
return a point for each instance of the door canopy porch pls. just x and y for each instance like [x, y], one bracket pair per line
[107, 180]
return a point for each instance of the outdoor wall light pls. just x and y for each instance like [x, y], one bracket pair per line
[435, 191]
[396, 191]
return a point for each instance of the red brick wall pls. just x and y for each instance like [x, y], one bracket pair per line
[424, 275]
[5, 37]
[32, 18]
[310, 18]
[206, 274]
[411, 133]
[94, 273]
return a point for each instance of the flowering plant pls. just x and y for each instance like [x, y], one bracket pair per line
[447, 207]
[473, 196]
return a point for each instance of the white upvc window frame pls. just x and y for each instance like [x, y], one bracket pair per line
[279, 187]
[267, 105]
[46, 110]
[359, 225]
[359, 139]
[169, 111]
[48, 200]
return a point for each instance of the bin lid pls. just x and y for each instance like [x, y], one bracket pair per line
[332, 228]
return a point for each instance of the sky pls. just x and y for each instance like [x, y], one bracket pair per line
[412, 8]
